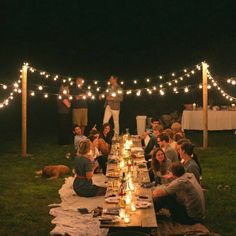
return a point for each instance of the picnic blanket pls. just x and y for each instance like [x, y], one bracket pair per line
[68, 220]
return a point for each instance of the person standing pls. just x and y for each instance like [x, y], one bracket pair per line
[79, 105]
[112, 104]
[63, 108]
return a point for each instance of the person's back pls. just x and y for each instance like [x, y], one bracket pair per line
[192, 167]
[189, 193]
[171, 153]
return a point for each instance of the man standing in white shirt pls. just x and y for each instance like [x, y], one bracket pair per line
[112, 104]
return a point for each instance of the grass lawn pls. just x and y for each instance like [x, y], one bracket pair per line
[24, 199]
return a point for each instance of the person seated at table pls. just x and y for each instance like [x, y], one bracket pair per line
[176, 127]
[84, 168]
[172, 142]
[160, 167]
[152, 142]
[189, 159]
[78, 136]
[183, 197]
[163, 141]
[178, 136]
[107, 134]
[148, 134]
[100, 149]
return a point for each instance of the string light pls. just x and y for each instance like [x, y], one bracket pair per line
[162, 92]
[222, 92]
[186, 90]
[231, 81]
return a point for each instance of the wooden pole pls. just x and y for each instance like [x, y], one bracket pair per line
[205, 104]
[24, 110]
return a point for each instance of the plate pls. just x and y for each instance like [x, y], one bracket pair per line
[113, 175]
[142, 204]
[112, 200]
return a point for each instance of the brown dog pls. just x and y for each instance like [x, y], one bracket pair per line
[53, 172]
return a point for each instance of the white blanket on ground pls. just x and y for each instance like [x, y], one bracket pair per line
[67, 218]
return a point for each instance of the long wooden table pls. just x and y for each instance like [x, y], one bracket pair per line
[144, 218]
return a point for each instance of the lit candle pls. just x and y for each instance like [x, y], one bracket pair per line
[122, 213]
[194, 106]
[126, 219]
[132, 207]
[122, 164]
[128, 199]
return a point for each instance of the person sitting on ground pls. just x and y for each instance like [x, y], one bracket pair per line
[148, 134]
[189, 159]
[101, 149]
[160, 167]
[78, 136]
[172, 142]
[84, 168]
[183, 197]
[163, 141]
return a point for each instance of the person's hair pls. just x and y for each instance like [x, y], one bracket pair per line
[170, 133]
[93, 132]
[75, 126]
[92, 135]
[155, 164]
[114, 77]
[177, 169]
[183, 140]
[164, 137]
[84, 146]
[155, 119]
[178, 136]
[187, 147]
[105, 125]
[158, 128]
[176, 127]
[193, 155]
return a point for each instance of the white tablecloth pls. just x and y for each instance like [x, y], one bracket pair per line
[217, 120]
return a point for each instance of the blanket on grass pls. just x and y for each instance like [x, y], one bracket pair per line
[68, 220]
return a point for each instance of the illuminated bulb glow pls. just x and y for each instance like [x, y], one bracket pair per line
[186, 90]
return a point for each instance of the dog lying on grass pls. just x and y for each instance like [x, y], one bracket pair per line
[53, 172]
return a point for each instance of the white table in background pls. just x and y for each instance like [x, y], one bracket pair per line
[217, 120]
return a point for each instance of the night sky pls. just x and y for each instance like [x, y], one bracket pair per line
[133, 39]
[129, 38]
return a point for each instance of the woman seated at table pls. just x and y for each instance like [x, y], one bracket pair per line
[107, 134]
[160, 167]
[100, 149]
[84, 169]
